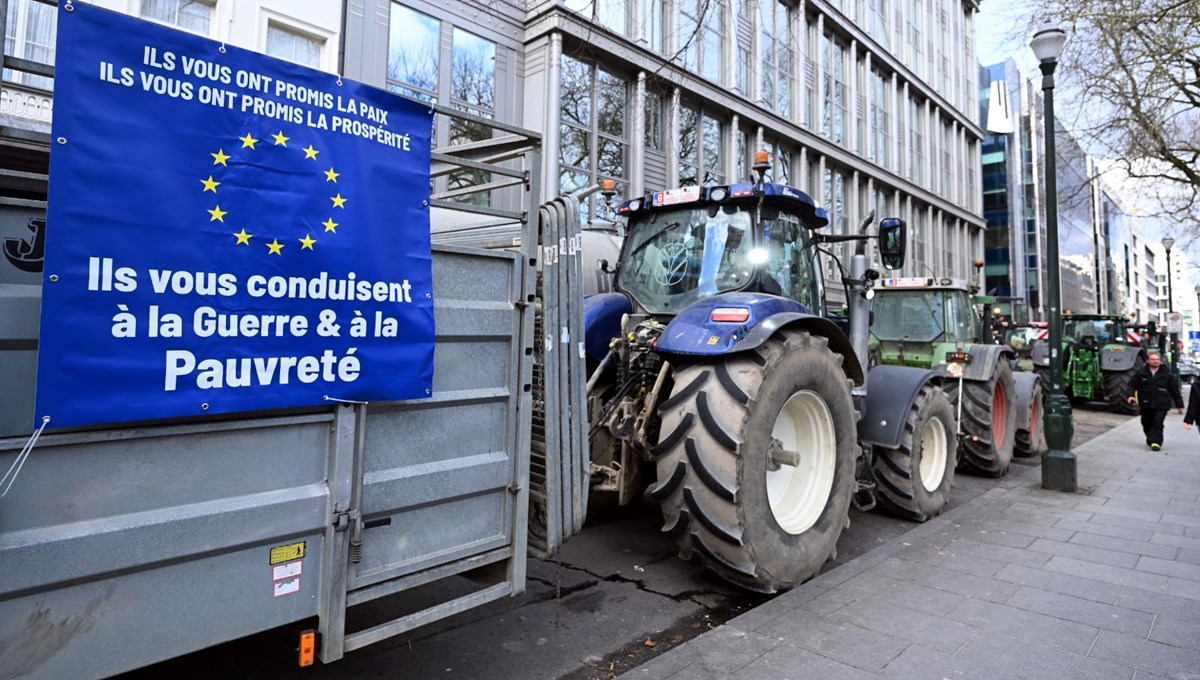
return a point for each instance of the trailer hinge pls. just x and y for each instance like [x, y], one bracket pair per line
[514, 488]
[341, 519]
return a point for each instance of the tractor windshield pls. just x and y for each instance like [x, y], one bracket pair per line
[676, 256]
[915, 316]
[1093, 331]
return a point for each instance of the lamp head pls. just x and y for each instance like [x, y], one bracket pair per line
[1168, 243]
[1047, 43]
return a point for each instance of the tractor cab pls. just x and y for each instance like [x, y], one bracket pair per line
[919, 321]
[689, 244]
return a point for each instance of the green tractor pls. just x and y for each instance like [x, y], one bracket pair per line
[1100, 356]
[934, 324]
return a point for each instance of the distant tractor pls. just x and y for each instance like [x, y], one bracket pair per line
[719, 380]
[933, 324]
[1100, 356]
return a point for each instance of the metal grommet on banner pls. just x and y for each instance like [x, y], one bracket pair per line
[339, 80]
[62, 140]
[69, 7]
[221, 49]
[54, 278]
[203, 407]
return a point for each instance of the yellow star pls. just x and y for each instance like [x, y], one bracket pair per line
[338, 201]
[308, 242]
[275, 248]
[219, 157]
[330, 225]
[248, 141]
[242, 237]
[310, 152]
[218, 215]
[280, 140]
[210, 184]
[331, 176]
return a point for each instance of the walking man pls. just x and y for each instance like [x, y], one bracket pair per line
[1155, 391]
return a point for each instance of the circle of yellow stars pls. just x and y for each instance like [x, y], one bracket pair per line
[216, 214]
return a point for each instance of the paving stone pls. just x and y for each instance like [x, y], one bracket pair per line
[993, 525]
[1085, 553]
[1083, 611]
[1103, 572]
[1185, 520]
[972, 548]
[921, 662]
[1026, 626]
[948, 580]
[1141, 525]
[1148, 655]
[1019, 657]
[1106, 530]
[1181, 587]
[1189, 556]
[950, 559]
[1193, 532]
[837, 640]
[1165, 552]
[901, 622]
[1177, 541]
[1159, 603]
[700, 671]
[1085, 588]
[1117, 510]
[1155, 565]
[730, 648]
[879, 588]
[1177, 632]
[791, 662]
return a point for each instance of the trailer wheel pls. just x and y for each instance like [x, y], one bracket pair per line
[989, 423]
[1117, 384]
[734, 495]
[1031, 440]
[914, 479]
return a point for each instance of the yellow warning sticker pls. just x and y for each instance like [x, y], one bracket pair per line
[713, 340]
[287, 553]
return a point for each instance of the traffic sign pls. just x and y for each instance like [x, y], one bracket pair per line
[1174, 322]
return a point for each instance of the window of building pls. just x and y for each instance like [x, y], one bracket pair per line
[472, 89]
[294, 46]
[654, 24]
[877, 12]
[916, 20]
[948, 162]
[881, 119]
[655, 115]
[778, 56]
[190, 15]
[916, 146]
[701, 148]
[413, 53]
[833, 124]
[702, 35]
[611, 14]
[594, 133]
[780, 170]
[810, 77]
[943, 57]
[29, 33]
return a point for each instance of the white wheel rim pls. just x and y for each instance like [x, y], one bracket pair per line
[797, 495]
[933, 454]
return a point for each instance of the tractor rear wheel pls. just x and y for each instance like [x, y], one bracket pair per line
[1117, 384]
[755, 461]
[913, 480]
[989, 422]
[1031, 439]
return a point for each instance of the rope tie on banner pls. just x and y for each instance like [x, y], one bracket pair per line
[339, 80]
[221, 49]
[6, 482]
[343, 401]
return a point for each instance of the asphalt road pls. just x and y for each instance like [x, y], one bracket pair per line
[616, 597]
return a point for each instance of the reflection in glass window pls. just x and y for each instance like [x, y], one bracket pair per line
[834, 123]
[778, 55]
[29, 33]
[613, 14]
[472, 89]
[916, 146]
[713, 151]
[413, 52]
[595, 143]
[293, 46]
[653, 135]
[881, 119]
[654, 24]
[190, 15]
[689, 148]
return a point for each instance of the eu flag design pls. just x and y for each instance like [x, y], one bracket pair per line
[226, 232]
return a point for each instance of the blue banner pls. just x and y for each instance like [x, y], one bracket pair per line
[226, 231]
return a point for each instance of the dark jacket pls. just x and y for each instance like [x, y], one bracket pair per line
[1157, 391]
[1193, 409]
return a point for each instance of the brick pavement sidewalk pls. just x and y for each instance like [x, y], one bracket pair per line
[1018, 583]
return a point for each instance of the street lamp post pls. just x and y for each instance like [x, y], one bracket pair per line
[1167, 243]
[1058, 463]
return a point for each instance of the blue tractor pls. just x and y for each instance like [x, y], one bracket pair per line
[721, 388]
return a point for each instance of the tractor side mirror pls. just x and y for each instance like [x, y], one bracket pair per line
[893, 239]
[602, 265]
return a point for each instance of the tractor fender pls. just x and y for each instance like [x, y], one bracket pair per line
[1118, 360]
[1025, 382]
[983, 361]
[891, 391]
[602, 315]
[693, 332]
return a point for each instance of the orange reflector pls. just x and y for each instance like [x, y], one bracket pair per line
[308, 647]
[608, 184]
[730, 314]
[761, 157]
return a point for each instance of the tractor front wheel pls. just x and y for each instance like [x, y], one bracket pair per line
[989, 422]
[755, 462]
[913, 480]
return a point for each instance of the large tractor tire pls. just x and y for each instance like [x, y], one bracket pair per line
[756, 461]
[989, 422]
[1117, 384]
[913, 480]
[1031, 440]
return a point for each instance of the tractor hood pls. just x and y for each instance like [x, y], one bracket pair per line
[724, 323]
